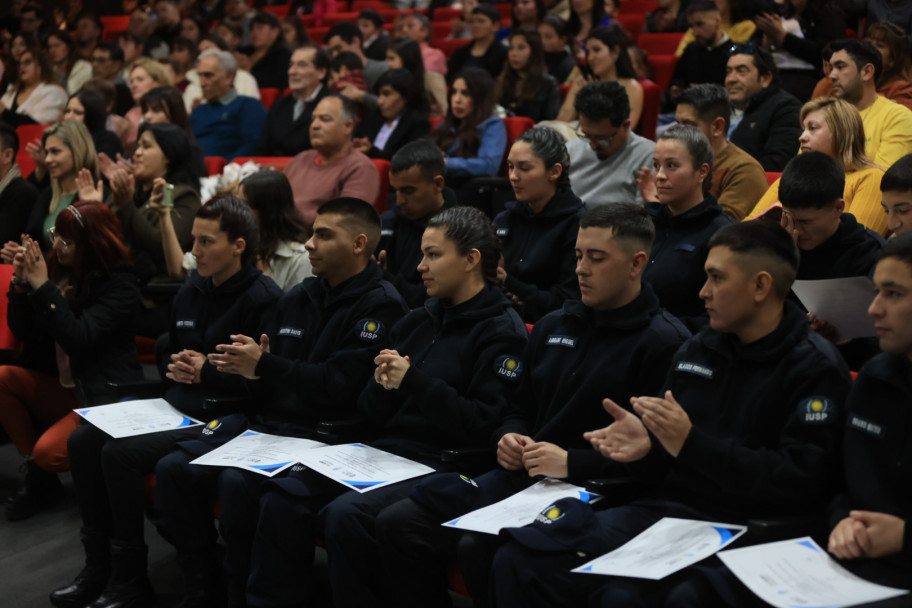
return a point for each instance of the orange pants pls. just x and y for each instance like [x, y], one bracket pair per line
[37, 413]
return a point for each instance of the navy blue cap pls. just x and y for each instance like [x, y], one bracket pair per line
[448, 495]
[566, 525]
[218, 432]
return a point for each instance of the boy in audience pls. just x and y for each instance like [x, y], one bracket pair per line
[704, 59]
[416, 178]
[748, 425]
[896, 185]
[313, 361]
[345, 69]
[615, 342]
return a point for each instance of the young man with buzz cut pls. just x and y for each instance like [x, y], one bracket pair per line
[748, 425]
[896, 186]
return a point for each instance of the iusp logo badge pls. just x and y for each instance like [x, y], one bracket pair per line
[369, 330]
[508, 367]
[210, 428]
[816, 410]
[550, 515]
[468, 480]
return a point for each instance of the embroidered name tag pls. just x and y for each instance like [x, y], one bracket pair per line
[185, 323]
[866, 426]
[694, 368]
[386, 232]
[291, 332]
[568, 341]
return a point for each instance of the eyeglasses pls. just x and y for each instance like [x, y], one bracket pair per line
[748, 48]
[53, 237]
[600, 142]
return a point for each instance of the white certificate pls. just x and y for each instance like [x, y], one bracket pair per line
[669, 545]
[258, 452]
[798, 572]
[842, 302]
[360, 467]
[140, 417]
[520, 509]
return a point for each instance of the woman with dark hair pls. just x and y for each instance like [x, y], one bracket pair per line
[166, 105]
[525, 88]
[525, 14]
[34, 97]
[192, 28]
[586, 16]
[484, 51]
[472, 136]
[406, 54]
[400, 116]
[17, 46]
[71, 71]
[538, 229]
[88, 107]
[608, 59]
[555, 42]
[74, 315]
[227, 295]
[293, 32]
[895, 80]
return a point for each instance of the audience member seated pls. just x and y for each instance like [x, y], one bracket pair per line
[736, 23]
[182, 59]
[228, 296]
[895, 81]
[74, 315]
[145, 75]
[607, 157]
[87, 34]
[293, 32]
[525, 14]
[896, 186]
[560, 63]
[524, 87]
[168, 26]
[107, 63]
[70, 71]
[32, 22]
[192, 27]
[416, 179]
[228, 124]
[796, 37]
[270, 55]
[133, 47]
[855, 67]
[880, 11]
[685, 217]
[333, 168]
[832, 126]
[239, 14]
[17, 194]
[165, 105]
[34, 97]
[406, 53]
[541, 432]
[670, 16]
[538, 229]
[88, 107]
[608, 61]
[287, 130]
[17, 46]
[374, 38]
[302, 381]
[244, 82]
[400, 117]
[738, 180]
[472, 136]
[585, 17]
[347, 37]
[763, 357]
[764, 121]
[418, 28]
[484, 51]
[346, 73]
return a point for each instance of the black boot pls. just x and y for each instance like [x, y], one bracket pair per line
[89, 583]
[129, 586]
[40, 490]
[202, 580]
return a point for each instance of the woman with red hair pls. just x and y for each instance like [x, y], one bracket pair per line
[74, 314]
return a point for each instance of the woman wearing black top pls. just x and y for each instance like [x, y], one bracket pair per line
[555, 38]
[400, 116]
[484, 51]
[525, 88]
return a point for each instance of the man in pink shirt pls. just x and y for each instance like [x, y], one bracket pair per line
[333, 168]
[418, 28]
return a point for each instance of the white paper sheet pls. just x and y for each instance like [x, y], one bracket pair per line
[798, 572]
[520, 509]
[258, 452]
[842, 302]
[140, 417]
[360, 467]
[669, 545]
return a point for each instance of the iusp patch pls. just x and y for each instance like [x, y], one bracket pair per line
[369, 330]
[508, 367]
[816, 410]
[550, 515]
[468, 480]
[210, 428]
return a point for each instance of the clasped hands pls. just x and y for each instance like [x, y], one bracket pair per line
[867, 534]
[516, 451]
[391, 368]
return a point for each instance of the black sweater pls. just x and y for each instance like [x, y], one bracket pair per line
[770, 128]
[851, 252]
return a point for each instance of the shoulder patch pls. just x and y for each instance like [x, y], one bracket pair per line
[508, 367]
[369, 330]
[468, 480]
[696, 369]
[210, 428]
[816, 410]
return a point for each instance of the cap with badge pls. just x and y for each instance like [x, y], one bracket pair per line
[218, 432]
[566, 525]
[448, 495]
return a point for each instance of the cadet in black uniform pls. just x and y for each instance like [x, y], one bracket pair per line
[538, 229]
[749, 426]
[455, 364]
[416, 176]
[228, 295]
[615, 343]
[321, 349]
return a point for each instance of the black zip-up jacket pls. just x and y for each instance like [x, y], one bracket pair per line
[851, 252]
[400, 237]
[770, 128]
[322, 346]
[539, 252]
[465, 364]
[675, 268]
[578, 356]
[282, 134]
[766, 423]
[204, 316]
[96, 332]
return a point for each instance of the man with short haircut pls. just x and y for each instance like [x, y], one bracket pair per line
[17, 195]
[169, 20]
[269, 62]
[88, 34]
[416, 178]
[606, 159]
[896, 185]
[227, 124]
[347, 37]
[854, 68]
[615, 342]
[107, 62]
[704, 59]
[765, 118]
[31, 21]
[375, 41]
[319, 356]
[333, 168]
[748, 425]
